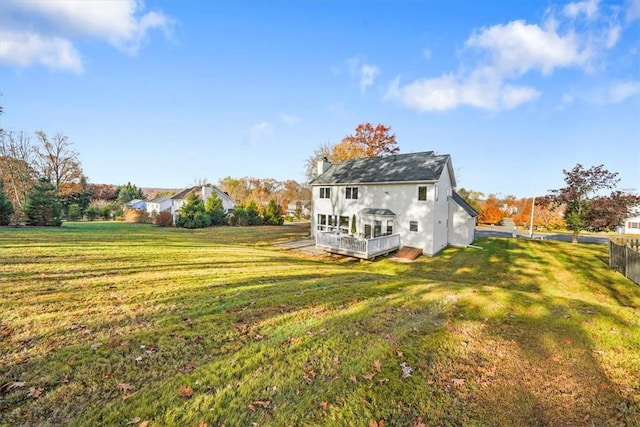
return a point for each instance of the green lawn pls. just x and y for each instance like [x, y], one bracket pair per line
[120, 324]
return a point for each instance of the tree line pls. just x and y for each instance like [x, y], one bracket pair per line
[589, 201]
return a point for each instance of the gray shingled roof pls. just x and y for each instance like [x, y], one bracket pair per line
[413, 167]
[463, 204]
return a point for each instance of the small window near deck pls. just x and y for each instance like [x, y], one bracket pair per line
[422, 193]
[413, 225]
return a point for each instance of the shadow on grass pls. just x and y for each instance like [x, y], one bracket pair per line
[492, 337]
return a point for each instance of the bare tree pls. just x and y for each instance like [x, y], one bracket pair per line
[17, 161]
[58, 163]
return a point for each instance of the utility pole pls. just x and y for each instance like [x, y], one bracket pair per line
[533, 205]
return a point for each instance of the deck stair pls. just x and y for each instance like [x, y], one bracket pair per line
[408, 252]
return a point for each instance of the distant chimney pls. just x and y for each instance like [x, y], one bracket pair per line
[323, 165]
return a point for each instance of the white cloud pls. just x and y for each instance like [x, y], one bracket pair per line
[24, 49]
[258, 131]
[449, 92]
[517, 48]
[57, 24]
[588, 8]
[495, 58]
[621, 91]
[365, 74]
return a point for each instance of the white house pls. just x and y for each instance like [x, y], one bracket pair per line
[371, 206]
[302, 207]
[631, 225]
[159, 204]
[204, 192]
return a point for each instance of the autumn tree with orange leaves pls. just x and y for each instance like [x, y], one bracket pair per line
[366, 141]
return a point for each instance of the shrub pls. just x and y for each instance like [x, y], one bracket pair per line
[136, 216]
[91, 212]
[74, 213]
[272, 214]
[164, 219]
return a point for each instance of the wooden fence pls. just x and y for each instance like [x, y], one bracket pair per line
[624, 257]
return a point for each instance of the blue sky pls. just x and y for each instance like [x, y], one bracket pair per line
[164, 93]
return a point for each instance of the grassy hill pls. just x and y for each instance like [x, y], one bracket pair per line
[116, 324]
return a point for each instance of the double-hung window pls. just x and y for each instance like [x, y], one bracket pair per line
[325, 192]
[422, 193]
[351, 193]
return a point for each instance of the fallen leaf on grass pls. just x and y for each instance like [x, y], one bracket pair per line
[457, 381]
[185, 392]
[136, 420]
[144, 423]
[419, 423]
[377, 365]
[72, 358]
[35, 392]
[258, 337]
[96, 346]
[324, 405]
[353, 378]
[125, 387]
[261, 403]
[369, 376]
[15, 384]
[374, 423]
[406, 370]
[189, 367]
[203, 424]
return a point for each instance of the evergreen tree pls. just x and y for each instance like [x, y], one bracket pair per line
[6, 207]
[272, 214]
[253, 213]
[214, 208]
[74, 213]
[193, 213]
[43, 205]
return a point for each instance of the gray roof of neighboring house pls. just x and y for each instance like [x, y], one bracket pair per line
[159, 199]
[412, 167]
[463, 204]
[184, 193]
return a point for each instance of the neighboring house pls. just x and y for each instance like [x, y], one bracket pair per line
[136, 204]
[631, 225]
[303, 207]
[371, 206]
[159, 204]
[204, 192]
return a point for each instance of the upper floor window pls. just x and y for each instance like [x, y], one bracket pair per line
[413, 225]
[351, 193]
[422, 193]
[325, 192]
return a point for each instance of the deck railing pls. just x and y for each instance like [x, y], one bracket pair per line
[361, 248]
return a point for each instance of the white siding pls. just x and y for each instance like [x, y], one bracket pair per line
[632, 225]
[402, 199]
[462, 226]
